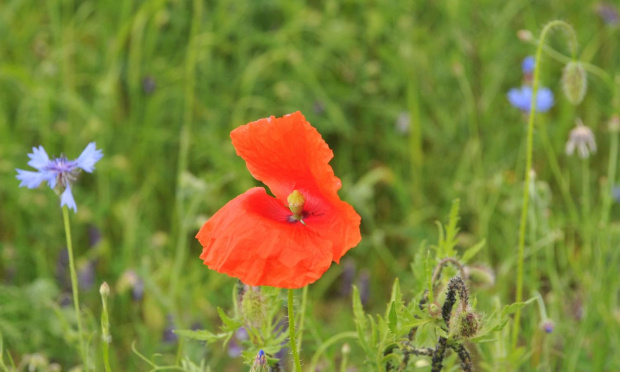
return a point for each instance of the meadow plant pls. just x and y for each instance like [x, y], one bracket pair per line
[355, 68]
[60, 173]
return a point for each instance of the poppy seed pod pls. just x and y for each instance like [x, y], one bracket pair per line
[466, 324]
[574, 82]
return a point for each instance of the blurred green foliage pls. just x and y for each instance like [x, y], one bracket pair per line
[410, 95]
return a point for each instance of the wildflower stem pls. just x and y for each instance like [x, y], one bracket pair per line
[74, 284]
[585, 179]
[611, 177]
[105, 327]
[291, 329]
[302, 316]
[528, 163]
[557, 173]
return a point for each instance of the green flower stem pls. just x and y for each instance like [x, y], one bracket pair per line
[557, 173]
[74, 284]
[291, 329]
[585, 179]
[105, 326]
[302, 316]
[528, 164]
[611, 177]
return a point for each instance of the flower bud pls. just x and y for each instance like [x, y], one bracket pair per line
[434, 310]
[466, 324]
[260, 362]
[253, 307]
[547, 326]
[574, 82]
[481, 276]
[104, 290]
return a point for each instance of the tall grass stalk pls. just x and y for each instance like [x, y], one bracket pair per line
[184, 143]
[528, 164]
[611, 177]
[74, 286]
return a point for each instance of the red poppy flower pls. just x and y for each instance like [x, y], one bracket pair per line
[288, 241]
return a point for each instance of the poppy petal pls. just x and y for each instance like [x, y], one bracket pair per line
[252, 238]
[285, 153]
[333, 220]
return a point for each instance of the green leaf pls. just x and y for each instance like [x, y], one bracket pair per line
[428, 268]
[201, 335]
[230, 323]
[452, 230]
[393, 318]
[396, 296]
[472, 251]
[509, 309]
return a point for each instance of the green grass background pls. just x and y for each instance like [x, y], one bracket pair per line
[72, 72]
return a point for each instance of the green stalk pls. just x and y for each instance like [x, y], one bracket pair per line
[105, 326]
[291, 329]
[528, 165]
[611, 177]
[74, 285]
[585, 179]
[302, 316]
[557, 173]
[184, 143]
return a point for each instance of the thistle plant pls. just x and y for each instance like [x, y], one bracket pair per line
[441, 320]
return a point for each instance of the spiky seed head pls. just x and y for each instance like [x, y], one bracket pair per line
[574, 82]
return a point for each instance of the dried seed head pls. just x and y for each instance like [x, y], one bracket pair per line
[525, 35]
[581, 138]
[574, 82]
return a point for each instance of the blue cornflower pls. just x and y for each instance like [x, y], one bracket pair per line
[521, 98]
[59, 172]
[528, 65]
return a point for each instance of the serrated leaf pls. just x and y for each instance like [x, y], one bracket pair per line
[360, 321]
[229, 322]
[472, 251]
[452, 230]
[509, 309]
[429, 277]
[396, 296]
[358, 310]
[393, 318]
[201, 335]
